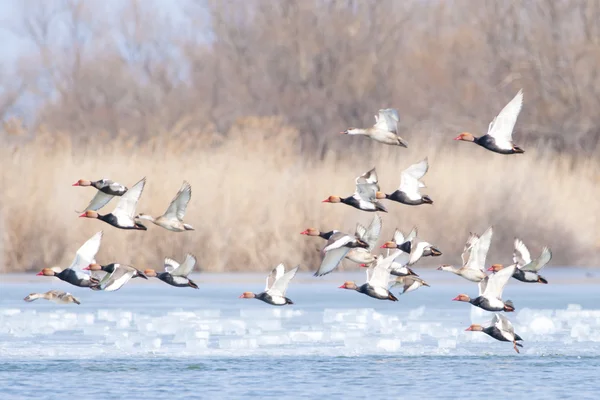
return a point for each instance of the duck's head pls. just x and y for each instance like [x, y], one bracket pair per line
[311, 232]
[496, 267]
[93, 267]
[247, 295]
[466, 136]
[348, 131]
[89, 214]
[83, 182]
[426, 199]
[349, 285]
[474, 328]
[46, 272]
[446, 267]
[380, 195]
[462, 297]
[333, 199]
[390, 245]
[150, 273]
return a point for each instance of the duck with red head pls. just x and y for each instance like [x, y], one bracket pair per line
[416, 249]
[378, 280]
[365, 195]
[107, 189]
[490, 292]
[74, 273]
[409, 191]
[176, 274]
[277, 283]
[499, 136]
[527, 269]
[117, 275]
[122, 216]
[316, 232]
[106, 186]
[500, 329]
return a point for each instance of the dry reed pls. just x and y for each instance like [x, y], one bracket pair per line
[253, 191]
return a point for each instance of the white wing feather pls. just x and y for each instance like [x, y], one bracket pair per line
[380, 272]
[98, 201]
[497, 281]
[126, 207]
[275, 274]
[170, 265]
[179, 203]
[540, 262]
[521, 255]
[331, 260]
[186, 267]
[280, 286]
[409, 179]
[502, 126]
[86, 253]
[479, 250]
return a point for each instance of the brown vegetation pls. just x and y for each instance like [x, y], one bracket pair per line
[244, 100]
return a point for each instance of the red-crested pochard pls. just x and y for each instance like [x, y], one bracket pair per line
[490, 292]
[365, 197]
[499, 136]
[74, 274]
[527, 269]
[500, 329]
[408, 192]
[122, 215]
[176, 274]
[277, 283]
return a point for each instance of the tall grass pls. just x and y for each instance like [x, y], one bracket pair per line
[253, 191]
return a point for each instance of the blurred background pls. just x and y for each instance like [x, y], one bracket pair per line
[245, 99]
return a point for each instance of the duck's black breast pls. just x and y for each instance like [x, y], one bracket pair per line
[490, 143]
[168, 278]
[495, 333]
[70, 276]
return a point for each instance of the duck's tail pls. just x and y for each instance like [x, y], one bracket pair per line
[509, 306]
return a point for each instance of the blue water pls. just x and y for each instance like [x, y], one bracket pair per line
[150, 341]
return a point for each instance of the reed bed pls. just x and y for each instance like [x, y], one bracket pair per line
[253, 191]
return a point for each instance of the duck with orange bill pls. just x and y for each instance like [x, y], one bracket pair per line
[410, 184]
[527, 269]
[276, 287]
[378, 280]
[107, 189]
[365, 196]
[500, 329]
[122, 216]
[117, 275]
[74, 274]
[499, 136]
[490, 292]
[176, 274]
